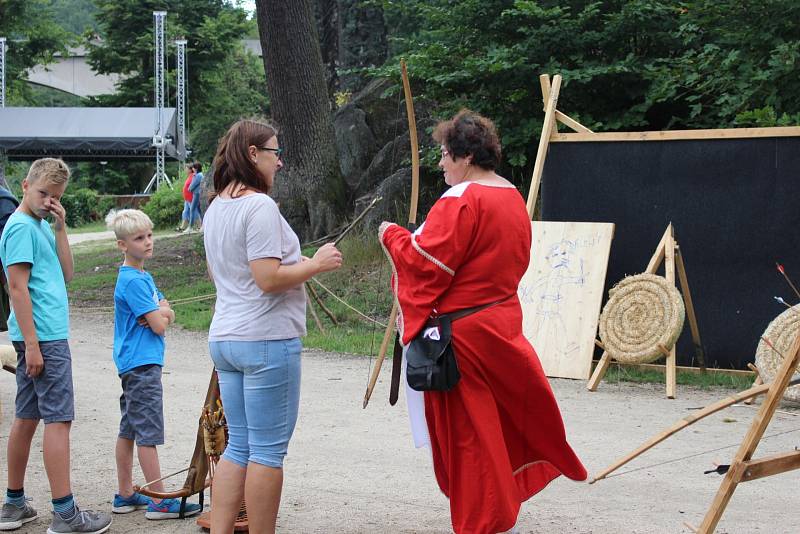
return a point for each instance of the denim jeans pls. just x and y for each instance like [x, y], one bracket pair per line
[259, 383]
[187, 209]
[194, 210]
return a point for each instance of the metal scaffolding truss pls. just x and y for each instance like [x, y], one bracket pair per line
[181, 64]
[2, 72]
[159, 138]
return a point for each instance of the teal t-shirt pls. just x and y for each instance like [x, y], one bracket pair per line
[30, 240]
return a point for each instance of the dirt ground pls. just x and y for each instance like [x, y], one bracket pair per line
[355, 471]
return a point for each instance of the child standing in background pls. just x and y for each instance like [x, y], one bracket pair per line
[141, 317]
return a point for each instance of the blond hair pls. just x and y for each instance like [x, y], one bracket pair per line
[125, 223]
[53, 171]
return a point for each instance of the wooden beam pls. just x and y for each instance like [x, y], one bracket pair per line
[678, 135]
[544, 83]
[752, 439]
[684, 369]
[687, 299]
[599, 372]
[568, 121]
[669, 274]
[771, 465]
[658, 255]
[680, 425]
[544, 142]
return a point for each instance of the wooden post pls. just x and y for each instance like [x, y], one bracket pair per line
[669, 274]
[690, 315]
[742, 462]
[544, 143]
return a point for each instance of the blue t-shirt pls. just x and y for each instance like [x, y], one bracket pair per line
[27, 239]
[135, 295]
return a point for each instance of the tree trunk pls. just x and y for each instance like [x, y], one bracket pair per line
[327, 17]
[310, 187]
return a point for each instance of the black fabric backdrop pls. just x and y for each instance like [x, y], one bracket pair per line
[734, 206]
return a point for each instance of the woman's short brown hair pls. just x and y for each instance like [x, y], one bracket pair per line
[232, 162]
[469, 133]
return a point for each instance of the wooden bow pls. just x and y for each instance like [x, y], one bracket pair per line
[199, 465]
[412, 222]
[683, 423]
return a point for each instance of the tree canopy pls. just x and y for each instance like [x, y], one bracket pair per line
[627, 64]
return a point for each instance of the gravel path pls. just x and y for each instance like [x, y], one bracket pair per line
[355, 471]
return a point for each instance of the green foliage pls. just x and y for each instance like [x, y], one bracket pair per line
[32, 38]
[627, 65]
[235, 89]
[81, 206]
[165, 207]
[213, 29]
[75, 16]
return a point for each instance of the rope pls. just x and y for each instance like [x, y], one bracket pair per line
[331, 293]
[696, 455]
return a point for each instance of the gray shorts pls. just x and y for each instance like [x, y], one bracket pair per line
[142, 406]
[49, 396]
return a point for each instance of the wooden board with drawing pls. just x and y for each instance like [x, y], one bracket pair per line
[562, 291]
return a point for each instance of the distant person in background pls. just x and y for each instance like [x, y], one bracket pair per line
[8, 204]
[194, 189]
[187, 199]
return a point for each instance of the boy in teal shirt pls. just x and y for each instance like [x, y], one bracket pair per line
[38, 264]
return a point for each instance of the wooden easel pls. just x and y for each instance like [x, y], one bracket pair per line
[743, 468]
[549, 128]
[669, 253]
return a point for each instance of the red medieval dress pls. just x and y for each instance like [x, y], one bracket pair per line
[497, 438]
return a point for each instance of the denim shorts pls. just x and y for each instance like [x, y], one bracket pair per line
[142, 406]
[49, 396]
[259, 382]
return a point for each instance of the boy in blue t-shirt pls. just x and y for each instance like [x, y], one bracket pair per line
[141, 317]
[37, 265]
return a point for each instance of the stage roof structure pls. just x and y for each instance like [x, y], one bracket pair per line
[84, 133]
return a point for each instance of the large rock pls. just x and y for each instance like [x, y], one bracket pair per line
[355, 143]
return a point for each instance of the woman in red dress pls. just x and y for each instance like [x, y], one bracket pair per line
[497, 438]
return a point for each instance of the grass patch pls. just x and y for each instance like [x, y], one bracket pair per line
[97, 226]
[178, 267]
[617, 373]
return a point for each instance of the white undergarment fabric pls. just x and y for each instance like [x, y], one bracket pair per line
[416, 410]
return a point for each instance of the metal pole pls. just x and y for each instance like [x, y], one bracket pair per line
[159, 138]
[2, 72]
[181, 94]
[2, 105]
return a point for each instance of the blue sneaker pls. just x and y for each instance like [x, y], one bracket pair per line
[170, 509]
[126, 505]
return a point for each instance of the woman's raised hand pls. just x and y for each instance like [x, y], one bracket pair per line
[327, 258]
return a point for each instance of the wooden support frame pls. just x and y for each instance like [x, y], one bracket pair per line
[743, 468]
[668, 253]
[550, 93]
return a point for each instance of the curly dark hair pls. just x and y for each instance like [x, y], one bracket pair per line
[469, 133]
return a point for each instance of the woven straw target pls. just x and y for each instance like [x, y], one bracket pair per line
[781, 332]
[642, 312]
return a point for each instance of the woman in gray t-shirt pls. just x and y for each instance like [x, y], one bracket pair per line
[254, 260]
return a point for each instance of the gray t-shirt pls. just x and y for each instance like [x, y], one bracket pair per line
[235, 232]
